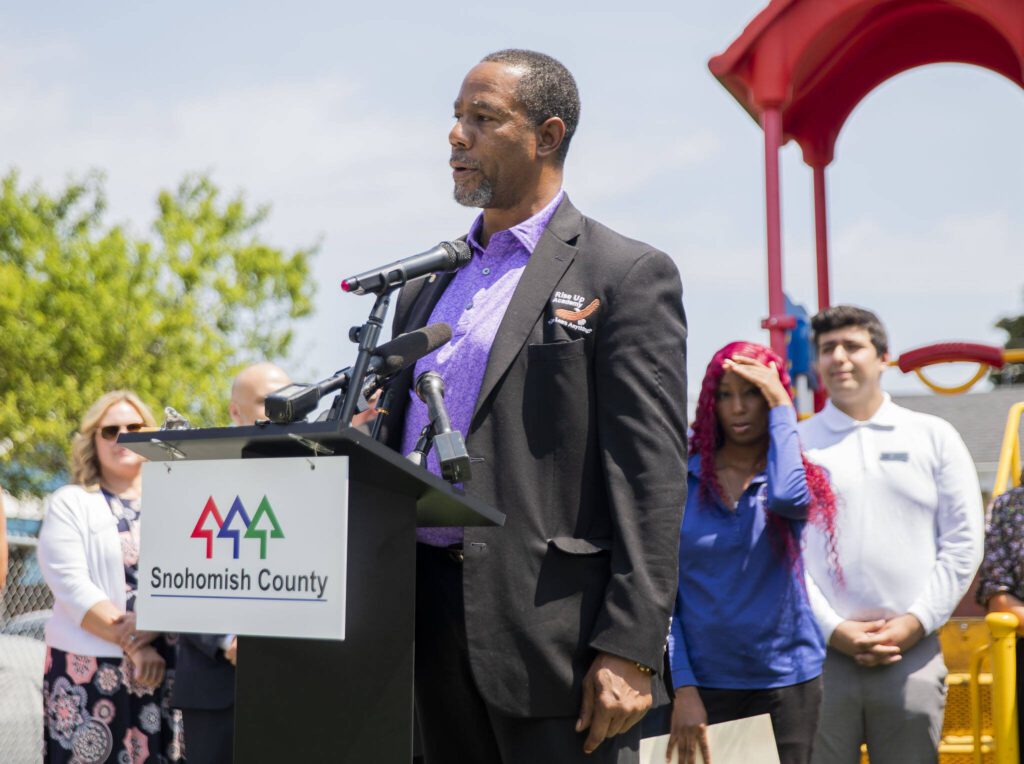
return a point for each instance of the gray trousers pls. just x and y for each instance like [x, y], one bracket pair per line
[896, 710]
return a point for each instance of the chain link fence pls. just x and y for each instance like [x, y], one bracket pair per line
[24, 608]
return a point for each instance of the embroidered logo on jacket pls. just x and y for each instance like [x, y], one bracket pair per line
[578, 315]
[575, 319]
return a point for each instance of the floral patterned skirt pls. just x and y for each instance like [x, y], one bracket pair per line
[96, 713]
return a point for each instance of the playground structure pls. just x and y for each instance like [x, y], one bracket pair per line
[802, 66]
[799, 69]
[986, 356]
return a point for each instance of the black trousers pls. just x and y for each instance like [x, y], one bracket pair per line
[457, 726]
[209, 735]
[794, 711]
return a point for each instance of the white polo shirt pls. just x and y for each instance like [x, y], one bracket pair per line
[909, 524]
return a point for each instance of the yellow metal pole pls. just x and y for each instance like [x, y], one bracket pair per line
[1009, 455]
[1004, 686]
[974, 685]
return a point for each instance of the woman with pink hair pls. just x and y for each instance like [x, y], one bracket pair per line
[743, 640]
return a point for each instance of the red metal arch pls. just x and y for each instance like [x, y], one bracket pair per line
[951, 352]
[801, 67]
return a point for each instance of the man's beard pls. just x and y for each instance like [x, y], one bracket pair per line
[480, 196]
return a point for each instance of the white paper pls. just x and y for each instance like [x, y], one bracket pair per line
[743, 741]
[269, 558]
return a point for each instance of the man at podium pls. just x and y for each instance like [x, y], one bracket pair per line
[544, 639]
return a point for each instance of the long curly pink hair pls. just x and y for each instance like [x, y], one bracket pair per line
[708, 438]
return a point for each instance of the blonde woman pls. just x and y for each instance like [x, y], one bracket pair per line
[104, 683]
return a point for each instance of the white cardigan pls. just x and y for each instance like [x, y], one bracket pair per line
[80, 558]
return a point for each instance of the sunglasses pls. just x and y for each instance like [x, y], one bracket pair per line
[111, 431]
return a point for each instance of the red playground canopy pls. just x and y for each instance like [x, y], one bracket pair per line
[802, 66]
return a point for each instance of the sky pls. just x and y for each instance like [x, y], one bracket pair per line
[338, 118]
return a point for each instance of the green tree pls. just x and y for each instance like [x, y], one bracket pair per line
[86, 307]
[1011, 373]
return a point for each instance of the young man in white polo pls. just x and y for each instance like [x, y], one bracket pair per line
[909, 530]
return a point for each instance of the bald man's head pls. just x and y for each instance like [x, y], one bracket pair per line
[251, 388]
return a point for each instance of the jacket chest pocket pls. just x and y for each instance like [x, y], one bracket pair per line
[556, 352]
[556, 374]
[556, 394]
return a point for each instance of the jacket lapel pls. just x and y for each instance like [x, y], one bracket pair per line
[425, 300]
[549, 261]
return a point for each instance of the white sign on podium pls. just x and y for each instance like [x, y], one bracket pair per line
[245, 546]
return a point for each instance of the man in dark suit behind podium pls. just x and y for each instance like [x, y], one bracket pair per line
[537, 641]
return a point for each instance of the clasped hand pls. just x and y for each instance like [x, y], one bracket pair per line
[128, 637]
[149, 666]
[877, 643]
[616, 695]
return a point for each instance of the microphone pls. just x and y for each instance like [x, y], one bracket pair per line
[446, 257]
[291, 403]
[451, 449]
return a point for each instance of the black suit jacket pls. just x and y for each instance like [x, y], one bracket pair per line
[203, 678]
[580, 425]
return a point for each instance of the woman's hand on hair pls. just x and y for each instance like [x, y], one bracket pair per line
[764, 378]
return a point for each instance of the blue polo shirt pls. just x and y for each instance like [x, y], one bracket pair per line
[742, 619]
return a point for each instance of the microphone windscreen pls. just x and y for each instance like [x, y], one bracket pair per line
[460, 253]
[407, 349]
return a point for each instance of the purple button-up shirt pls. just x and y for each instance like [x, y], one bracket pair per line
[473, 304]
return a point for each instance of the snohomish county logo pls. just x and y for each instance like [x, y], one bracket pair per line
[226, 528]
[575, 319]
[237, 527]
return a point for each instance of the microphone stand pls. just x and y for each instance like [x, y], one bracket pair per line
[366, 335]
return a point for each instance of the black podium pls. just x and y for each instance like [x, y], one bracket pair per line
[324, 701]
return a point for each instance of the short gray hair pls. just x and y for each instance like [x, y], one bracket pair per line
[546, 89]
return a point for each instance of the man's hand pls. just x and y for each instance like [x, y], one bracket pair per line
[877, 643]
[616, 695]
[903, 631]
[861, 640]
[888, 644]
[367, 417]
[231, 653]
[689, 727]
